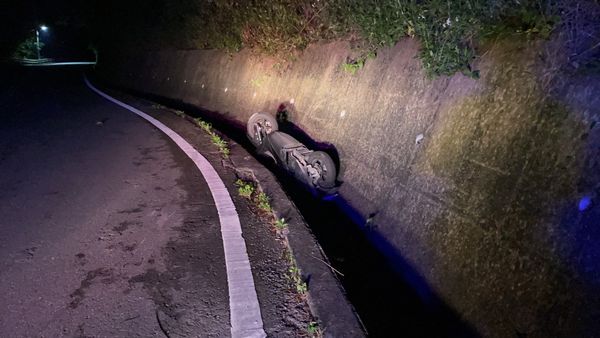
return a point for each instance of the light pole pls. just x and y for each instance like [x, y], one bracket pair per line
[37, 38]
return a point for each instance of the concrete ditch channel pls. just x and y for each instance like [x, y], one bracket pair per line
[334, 316]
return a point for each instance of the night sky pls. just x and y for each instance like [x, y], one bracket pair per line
[73, 25]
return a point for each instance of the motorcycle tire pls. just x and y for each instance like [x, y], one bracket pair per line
[257, 121]
[326, 168]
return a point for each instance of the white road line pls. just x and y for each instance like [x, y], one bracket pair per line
[244, 310]
[50, 64]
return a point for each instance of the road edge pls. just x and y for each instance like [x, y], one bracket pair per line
[245, 314]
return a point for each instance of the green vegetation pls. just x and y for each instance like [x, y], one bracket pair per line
[27, 49]
[313, 329]
[179, 113]
[294, 274]
[263, 202]
[351, 66]
[296, 277]
[207, 127]
[449, 31]
[214, 137]
[297, 283]
[280, 224]
[245, 189]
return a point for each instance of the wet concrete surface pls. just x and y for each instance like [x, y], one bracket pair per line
[107, 229]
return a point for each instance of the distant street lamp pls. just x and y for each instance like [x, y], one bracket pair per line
[44, 28]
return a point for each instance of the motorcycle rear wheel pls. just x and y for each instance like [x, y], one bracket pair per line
[259, 126]
[320, 161]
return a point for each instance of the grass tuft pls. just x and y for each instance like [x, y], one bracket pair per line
[314, 330]
[281, 224]
[245, 189]
[263, 202]
[214, 137]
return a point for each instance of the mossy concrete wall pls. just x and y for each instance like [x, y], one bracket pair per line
[484, 208]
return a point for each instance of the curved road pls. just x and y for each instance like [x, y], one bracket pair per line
[106, 229]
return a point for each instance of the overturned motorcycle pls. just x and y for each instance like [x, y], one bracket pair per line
[313, 168]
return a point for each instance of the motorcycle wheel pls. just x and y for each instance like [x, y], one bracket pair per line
[259, 126]
[325, 167]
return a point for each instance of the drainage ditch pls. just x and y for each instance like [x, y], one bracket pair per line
[385, 301]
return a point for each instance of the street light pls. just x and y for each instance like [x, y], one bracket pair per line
[44, 28]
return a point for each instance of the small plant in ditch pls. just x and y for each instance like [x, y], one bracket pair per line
[297, 285]
[263, 202]
[207, 127]
[314, 330]
[296, 277]
[294, 274]
[214, 137]
[245, 189]
[281, 224]
[221, 144]
[259, 199]
[179, 113]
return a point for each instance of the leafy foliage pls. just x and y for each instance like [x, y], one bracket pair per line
[215, 138]
[263, 202]
[27, 49]
[280, 223]
[449, 31]
[245, 189]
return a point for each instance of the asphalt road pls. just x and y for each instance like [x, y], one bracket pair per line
[106, 229]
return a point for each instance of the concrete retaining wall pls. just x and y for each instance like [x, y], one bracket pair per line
[484, 207]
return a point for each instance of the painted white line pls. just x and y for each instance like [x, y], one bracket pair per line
[50, 64]
[244, 310]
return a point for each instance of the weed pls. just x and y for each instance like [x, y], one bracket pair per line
[157, 106]
[217, 140]
[296, 278]
[207, 127]
[352, 66]
[214, 137]
[245, 189]
[281, 224]
[313, 329]
[179, 113]
[225, 152]
[263, 202]
[221, 144]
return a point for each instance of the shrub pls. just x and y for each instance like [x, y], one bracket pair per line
[27, 49]
[449, 31]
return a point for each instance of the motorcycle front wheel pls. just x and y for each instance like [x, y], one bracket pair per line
[259, 126]
[324, 166]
